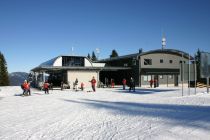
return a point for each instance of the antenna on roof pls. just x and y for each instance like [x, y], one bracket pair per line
[163, 42]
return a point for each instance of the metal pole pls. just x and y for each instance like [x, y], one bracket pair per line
[195, 77]
[167, 80]
[43, 73]
[182, 75]
[207, 72]
[189, 76]
[207, 84]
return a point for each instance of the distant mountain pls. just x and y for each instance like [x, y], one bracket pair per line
[17, 78]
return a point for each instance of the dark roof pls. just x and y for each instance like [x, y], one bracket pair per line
[119, 57]
[166, 51]
[48, 68]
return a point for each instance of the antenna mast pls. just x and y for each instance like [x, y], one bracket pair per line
[163, 42]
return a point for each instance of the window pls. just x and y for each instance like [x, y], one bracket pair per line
[149, 77]
[134, 62]
[170, 76]
[182, 61]
[72, 61]
[145, 78]
[170, 61]
[161, 60]
[147, 61]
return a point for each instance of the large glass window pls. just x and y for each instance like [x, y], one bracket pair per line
[147, 61]
[72, 61]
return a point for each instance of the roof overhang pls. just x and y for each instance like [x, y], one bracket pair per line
[59, 68]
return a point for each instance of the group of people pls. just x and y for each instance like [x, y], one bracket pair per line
[155, 82]
[46, 86]
[82, 85]
[26, 88]
[131, 84]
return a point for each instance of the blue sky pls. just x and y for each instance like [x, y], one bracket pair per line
[33, 31]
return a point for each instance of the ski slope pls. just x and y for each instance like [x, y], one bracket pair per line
[147, 114]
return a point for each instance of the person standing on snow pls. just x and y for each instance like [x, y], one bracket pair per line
[151, 83]
[124, 83]
[93, 84]
[82, 86]
[26, 87]
[76, 84]
[112, 83]
[132, 84]
[46, 87]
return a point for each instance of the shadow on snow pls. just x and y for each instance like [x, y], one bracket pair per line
[146, 91]
[185, 115]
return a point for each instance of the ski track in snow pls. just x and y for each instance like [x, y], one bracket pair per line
[112, 114]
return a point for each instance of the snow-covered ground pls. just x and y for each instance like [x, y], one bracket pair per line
[157, 114]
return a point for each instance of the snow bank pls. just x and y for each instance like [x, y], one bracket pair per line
[161, 113]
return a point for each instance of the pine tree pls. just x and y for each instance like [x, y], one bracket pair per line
[88, 56]
[114, 54]
[94, 56]
[4, 77]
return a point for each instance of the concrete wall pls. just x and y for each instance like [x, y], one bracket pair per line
[166, 58]
[82, 76]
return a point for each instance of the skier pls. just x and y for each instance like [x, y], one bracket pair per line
[124, 83]
[46, 87]
[93, 84]
[151, 83]
[112, 83]
[26, 87]
[76, 84]
[132, 84]
[62, 85]
[82, 86]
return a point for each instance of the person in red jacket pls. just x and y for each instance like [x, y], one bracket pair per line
[46, 87]
[112, 83]
[124, 83]
[93, 83]
[26, 87]
[82, 86]
[151, 83]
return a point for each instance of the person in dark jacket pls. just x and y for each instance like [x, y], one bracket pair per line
[132, 84]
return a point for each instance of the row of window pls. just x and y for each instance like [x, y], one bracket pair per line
[149, 61]
[148, 77]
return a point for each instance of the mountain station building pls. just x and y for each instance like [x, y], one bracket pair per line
[167, 66]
